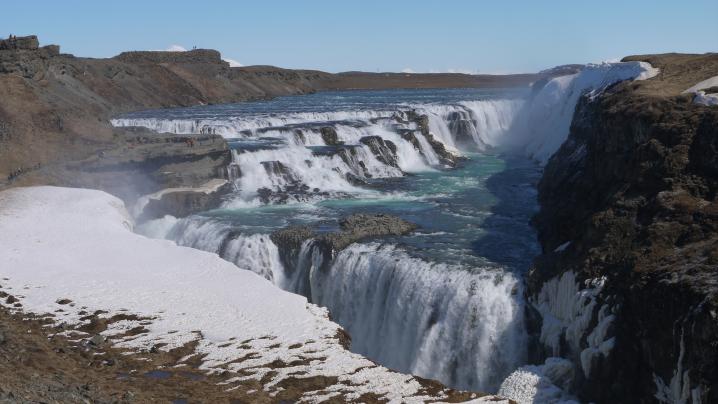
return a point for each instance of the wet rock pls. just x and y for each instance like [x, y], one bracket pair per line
[329, 135]
[300, 136]
[349, 156]
[289, 242]
[184, 203]
[362, 226]
[355, 180]
[422, 122]
[462, 127]
[352, 229]
[384, 150]
[278, 169]
[410, 137]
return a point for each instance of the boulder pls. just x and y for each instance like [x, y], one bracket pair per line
[183, 203]
[384, 150]
[329, 135]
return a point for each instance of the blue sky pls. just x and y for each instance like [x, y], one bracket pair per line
[472, 36]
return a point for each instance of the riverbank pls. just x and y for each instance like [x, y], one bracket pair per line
[55, 108]
[232, 332]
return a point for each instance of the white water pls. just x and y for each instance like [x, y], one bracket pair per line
[458, 326]
[254, 252]
[462, 327]
[489, 120]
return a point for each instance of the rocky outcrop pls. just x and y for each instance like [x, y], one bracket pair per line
[142, 162]
[362, 226]
[289, 242]
[629, 208]
[182, 202]
[329, 135]
[384, 150]
[422, 122]
[351, 229]
[462, 126]
[24, 42]
[193, 56]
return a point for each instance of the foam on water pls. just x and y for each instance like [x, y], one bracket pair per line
[460, 324]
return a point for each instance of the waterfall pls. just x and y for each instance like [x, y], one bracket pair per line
[462, 327]
[253, 252]
[544, 121]
[457, 325]
[474, 124]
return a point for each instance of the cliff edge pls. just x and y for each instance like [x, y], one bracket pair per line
[627, 284]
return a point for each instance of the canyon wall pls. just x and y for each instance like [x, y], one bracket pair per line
[627, 285]
[55, 108]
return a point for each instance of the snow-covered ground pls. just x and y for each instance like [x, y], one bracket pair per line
[78, 244]
[701, 96]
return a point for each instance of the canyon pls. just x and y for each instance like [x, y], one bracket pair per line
[351, 200]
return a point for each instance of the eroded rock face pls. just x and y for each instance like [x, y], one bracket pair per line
[352, 229]
[422, 122]
[289, 242]
[146, 162]
[629, 202]
[329, 135]
[191, 56]
[384, 150]
[184, 203]
[24, 42]
[462, 126]
[361, 226]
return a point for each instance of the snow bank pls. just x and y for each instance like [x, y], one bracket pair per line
[540, 384]
[705, 99]
[708, 83]
[543, 125]
[77, 244]
[701, 96]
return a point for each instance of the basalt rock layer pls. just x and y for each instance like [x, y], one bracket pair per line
[629, 203]
[55, 108]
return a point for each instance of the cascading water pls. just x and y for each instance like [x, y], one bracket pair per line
[430, 319]
[255, 252]
[444, 302]
[429, 303]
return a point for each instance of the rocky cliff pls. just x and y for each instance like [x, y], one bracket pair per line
[55, 110]
[627, 284]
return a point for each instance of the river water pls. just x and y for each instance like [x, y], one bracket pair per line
[444, 302]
